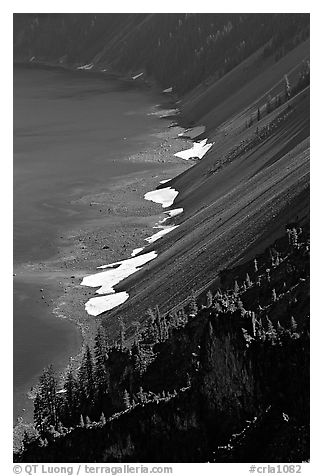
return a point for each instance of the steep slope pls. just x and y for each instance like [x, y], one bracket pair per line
[236, 200]
[195, 369]
[254, 178]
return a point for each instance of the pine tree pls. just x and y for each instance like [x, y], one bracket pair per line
[164, 328]
[71, 397]
[255, 265]
[38, 413]
[103, 419]
[46, 409]
[258, 115]
[273, 294]
[287, 87]
[82, 421]
[236, 288]
[86, 379]
[293, 325]
[280, 331]
[271, 331]
[141, 395]
[87, 422]
[101, 372]
[192, 307]
[126, 399]
[209, 299]
[294, 237]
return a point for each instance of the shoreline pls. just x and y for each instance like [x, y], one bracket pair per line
[122, 221]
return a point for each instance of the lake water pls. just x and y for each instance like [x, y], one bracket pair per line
[72, 131]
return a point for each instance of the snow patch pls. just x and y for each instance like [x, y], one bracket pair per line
[86, 66]
[137, 76]
[168, 90]
[118, 271]
[164, 196]
[161, 233]
[97, 305]
[136, 251]
[199, 149]
[165, 181]
[174, 212]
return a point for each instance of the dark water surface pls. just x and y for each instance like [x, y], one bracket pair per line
[72, 132]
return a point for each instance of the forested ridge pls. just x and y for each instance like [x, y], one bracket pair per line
[225, 378]
[178, 50]
[212, 359]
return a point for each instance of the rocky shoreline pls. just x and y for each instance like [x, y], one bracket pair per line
[121, 221]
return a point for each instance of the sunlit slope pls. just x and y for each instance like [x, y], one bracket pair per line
[230, 212]
[243, 89]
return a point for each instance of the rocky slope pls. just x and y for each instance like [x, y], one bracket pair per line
[237, 388]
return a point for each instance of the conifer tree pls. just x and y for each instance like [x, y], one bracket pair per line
[82, 421]
[236, 288]
[164, 328]
[293, 325]
[209, 299]
[294, 237]
[126, 399]
[103, 419]
[87, 422]
[273, 294]
[101, 372]
[86, 379]
[255, 265]
[71, 397]
[46, 410]
[271, 331]
[287, 87]
[38, 413]
[141, 395]
[192, 307]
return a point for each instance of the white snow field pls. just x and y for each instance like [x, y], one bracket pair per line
[164, 196]
[105, 280]
[174, 212]
[165, 229]
[199, 149]
[97, 305]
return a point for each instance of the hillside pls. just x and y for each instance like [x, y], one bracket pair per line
[219, 359]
